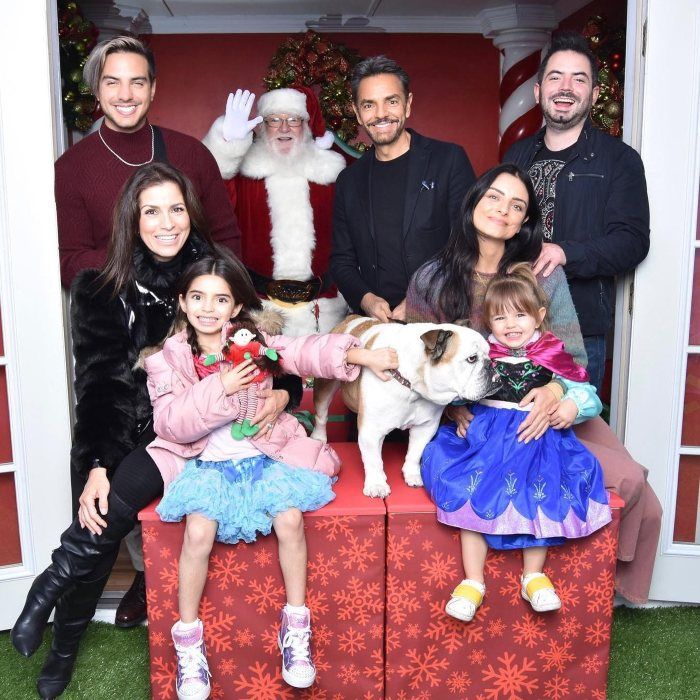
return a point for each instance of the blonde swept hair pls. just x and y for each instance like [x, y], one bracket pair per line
[92, 70]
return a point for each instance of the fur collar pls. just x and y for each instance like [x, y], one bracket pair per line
[158, 277]
[313, 164]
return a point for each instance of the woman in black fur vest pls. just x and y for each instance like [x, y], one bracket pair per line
[158, 230]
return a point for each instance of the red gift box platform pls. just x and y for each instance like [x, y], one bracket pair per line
[244, 594]
[507, 651]
[340, 418]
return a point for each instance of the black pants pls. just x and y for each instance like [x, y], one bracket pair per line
[137, 481]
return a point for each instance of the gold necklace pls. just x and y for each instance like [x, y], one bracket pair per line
[126, 162]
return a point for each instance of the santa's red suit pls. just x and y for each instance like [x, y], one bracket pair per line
[284, 210]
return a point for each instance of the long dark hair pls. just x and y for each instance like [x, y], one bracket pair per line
[236, 277]
[454, 266]
[119, 268]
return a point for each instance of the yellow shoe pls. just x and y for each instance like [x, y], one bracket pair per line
[465, 600]
[539, 591]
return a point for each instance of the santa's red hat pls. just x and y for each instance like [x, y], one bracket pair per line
[300, 101]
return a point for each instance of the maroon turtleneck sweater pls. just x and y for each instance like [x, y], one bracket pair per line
[89, 178]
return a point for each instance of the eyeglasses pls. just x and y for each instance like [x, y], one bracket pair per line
[276, 122]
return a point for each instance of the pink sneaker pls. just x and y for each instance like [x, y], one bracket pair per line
[298, 669]
[192, 681]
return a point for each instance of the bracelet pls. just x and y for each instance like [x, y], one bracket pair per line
[556, 389]
[96, 464]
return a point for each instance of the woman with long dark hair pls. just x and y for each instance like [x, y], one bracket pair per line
[500, 227]
[158, 229]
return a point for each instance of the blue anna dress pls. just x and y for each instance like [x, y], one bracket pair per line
[519, 494]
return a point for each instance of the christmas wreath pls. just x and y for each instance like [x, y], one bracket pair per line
[311, 60]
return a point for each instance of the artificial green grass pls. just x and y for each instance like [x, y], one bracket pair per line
[112, 665]
[655, 655]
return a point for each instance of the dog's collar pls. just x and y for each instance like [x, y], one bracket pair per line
[399, 378]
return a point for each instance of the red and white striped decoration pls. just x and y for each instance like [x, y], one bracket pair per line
[520, 114]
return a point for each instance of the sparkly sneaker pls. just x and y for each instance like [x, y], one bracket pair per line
[298, 669]
[192, 681]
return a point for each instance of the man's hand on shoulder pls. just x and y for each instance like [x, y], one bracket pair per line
[236, 124]
[376, 307]
[551, 256]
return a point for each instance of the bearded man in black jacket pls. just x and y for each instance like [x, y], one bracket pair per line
[591, 191]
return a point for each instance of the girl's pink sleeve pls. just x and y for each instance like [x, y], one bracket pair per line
[316, 355]
[184, 412]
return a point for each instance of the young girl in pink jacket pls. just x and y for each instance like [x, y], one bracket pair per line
[230, 489]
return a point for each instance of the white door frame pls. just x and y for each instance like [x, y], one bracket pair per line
[670, 148]
[30, 294]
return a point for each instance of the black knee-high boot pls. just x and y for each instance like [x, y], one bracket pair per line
[74, 610]
[82, 556]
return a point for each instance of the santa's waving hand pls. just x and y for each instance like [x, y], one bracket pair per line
[236, 124]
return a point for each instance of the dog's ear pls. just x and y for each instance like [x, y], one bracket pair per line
[463, 323]
[435, 342]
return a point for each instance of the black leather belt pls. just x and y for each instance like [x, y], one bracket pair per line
[289, 291]
[293, 291]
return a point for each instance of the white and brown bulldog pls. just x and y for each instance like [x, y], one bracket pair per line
[438, 364]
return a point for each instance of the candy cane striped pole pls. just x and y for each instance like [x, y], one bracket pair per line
[520, 114]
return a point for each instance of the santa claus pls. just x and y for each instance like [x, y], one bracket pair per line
[281, 184]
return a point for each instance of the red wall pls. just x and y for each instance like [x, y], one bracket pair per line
[454, 80]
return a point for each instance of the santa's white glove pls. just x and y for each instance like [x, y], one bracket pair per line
[236, 124]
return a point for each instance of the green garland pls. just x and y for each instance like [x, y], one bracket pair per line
[608, 45]
[76, 37]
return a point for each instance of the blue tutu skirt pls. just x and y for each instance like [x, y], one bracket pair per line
[243, 495]
[517, 494]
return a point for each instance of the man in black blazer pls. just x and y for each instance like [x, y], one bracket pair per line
[395, 206]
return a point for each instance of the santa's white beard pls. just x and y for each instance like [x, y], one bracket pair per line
[288, 161]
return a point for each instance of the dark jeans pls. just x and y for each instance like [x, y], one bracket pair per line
[595, 349]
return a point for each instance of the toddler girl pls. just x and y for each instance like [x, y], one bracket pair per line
[507, 493]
